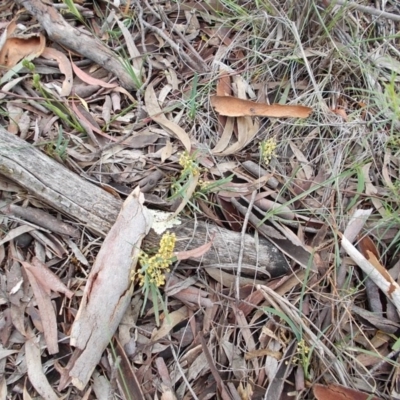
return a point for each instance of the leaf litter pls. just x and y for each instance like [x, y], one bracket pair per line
[217, 81]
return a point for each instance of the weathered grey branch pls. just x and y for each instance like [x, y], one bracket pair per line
[97, 209]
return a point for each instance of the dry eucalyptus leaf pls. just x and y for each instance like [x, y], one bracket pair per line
[171, 320]
[84, 77]
[195, 253]
[336, 392]
[15, 49]
[35, 369]
[234, 107]
[46, 311]
[65, 68]
[157, 115]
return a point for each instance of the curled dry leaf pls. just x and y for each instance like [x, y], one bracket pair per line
[15, 49]
[367, 247]
[234, 107]
[170, 321]
[65, 68]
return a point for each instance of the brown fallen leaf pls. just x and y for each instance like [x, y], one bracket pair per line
[48, 280]
[84, 77]
[375, 271]
[35, 368]
[234, 107]
[336, 392]
[157, 115]
[43, 281]
[366, 245]
[341, 112]
[195, 253]
[65, 68]
[46, 310]
[15, 49]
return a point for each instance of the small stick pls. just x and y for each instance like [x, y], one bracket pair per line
[143, 34]
[367, 10]
[174, 46]
[180, 34]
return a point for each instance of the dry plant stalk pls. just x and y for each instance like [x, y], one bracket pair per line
[108, 290]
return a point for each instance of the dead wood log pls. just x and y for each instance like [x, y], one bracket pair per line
[97, 209]
[80, 42]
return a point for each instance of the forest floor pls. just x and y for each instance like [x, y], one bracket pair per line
[278, 119]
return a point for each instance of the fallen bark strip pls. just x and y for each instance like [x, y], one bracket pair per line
[97, 209]
[109, 288]
[80, 42]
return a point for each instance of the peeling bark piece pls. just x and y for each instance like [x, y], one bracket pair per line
[235, 107]
[109, 288]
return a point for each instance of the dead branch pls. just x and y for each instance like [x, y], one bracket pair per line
[81, 42]
[97, 210]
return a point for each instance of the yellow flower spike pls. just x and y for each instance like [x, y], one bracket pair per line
[155, 267]
[189, 164]
[267, 149]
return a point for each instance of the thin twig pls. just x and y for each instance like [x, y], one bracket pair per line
[180, 34]
[244, 228]
[143, 34]
[367, 10]
[137, 125]
[174, 46]
[182, 372]
[391, 355]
